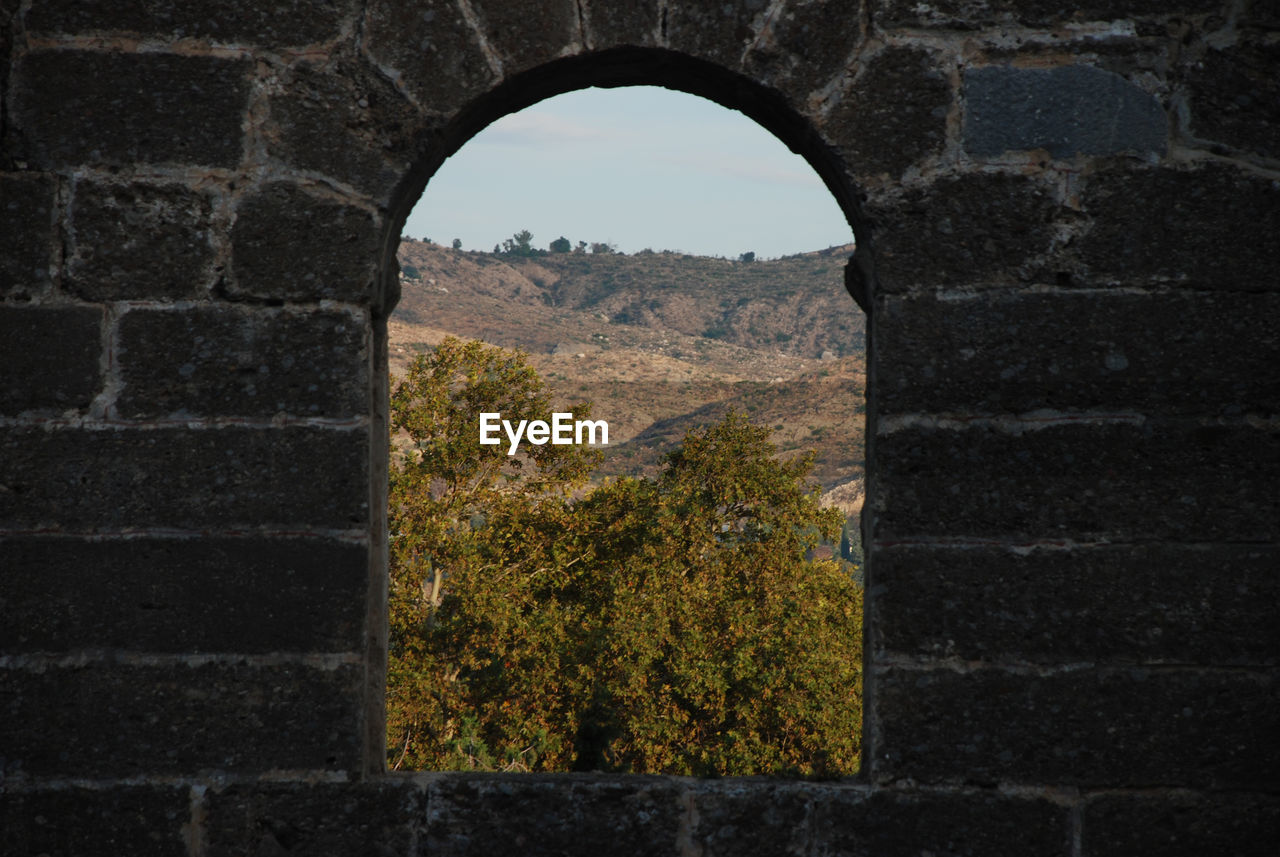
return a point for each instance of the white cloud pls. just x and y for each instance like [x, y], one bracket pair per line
[532, 128]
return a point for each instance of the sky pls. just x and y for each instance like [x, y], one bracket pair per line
[638, 167]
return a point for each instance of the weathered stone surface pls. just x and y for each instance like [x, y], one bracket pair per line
[247, 594]
[974, 14]
[1200, 226]
[1234, 97]
[1068, 111]
[238, 361]
[176, 477]
[130, 242]
[759, 816]
[291, 246]
[807, 45]
[125, 721]
[1090, 727]
[577, 814]
[717, 32]
[526, 33]
[895, 113]
[278, 24]
[27, 208]
[1183, 604]
[972, 229]
[432, 47]
[1180, 825]
[1003, 352]
[304, 818]
[616, 24]
[50, 357]
[146, 821]
[122, 109]
[1158, 480]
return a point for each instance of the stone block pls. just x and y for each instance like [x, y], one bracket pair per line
[123, 721]
[1104, 728]
[230, 477]
[432, 47]
[636, 23]
[719, 33]
[978, 14]
[1116, 481]
[146, 821]
[291, 246]
[124, 109]
[27, 208]
[150, 594]
[1234, 97]
[895, 113]
[1179, 604]
[528, 33]
[279, 24]
[759, 816]
[576, 814]
[980, 228]
[1067, 111]
[219, 361]
[374, 818]
[1180, 825]
[1002, 352]
[133, 242]
[50, 357]
[1202, 226]
[807, 45]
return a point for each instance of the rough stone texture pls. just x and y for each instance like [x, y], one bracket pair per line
[322, 818]
[176, 477]
[1157, 480]
[292, 246]
[280, 23]
[1116, 727]
[617, 24]
[1199, 226]
[1234, 97]
[1180, 825]
[806, 45]
[1001, 352]
[526, 33]
[149, 594]
[972, 14]
[718, 32]
[27, 207]
[953, 232]
[33, 382]
[431, 47]
[237, 361]
[125, 721]
[1193, 604]
[895, 114]
[1067, 111]
[145, 821]
[119, 109]
[131, 242]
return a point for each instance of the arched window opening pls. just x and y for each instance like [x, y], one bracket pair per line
[626, 477]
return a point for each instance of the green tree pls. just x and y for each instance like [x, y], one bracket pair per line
[560, 245]
[519, 244]
[457, 243]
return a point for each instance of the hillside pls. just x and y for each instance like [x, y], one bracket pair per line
[662, 342]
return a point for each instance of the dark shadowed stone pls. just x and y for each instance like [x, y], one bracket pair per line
[1234, 97]
[276, 24]
[1157, 480]
[1004, 352]
[1188, 604]
[27, 209]
[122, 109]
[127, 721]
[633, 23]
[1068, 111]
[1091, 727]
[176, 477]
[1180, 825]
[807, 45]
[575, 814]
[370, 818]
[183, 595]
[717, 32]
[526, 33]
[431, 47]
[291, 246]
[130, 242]
[50, 357]
[758, 816]
[974, 14]
[146, 821]
[242, 361]
[972, 229]
[1202, 226]
[895, 114]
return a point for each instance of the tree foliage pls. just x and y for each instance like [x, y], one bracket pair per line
[666, 625]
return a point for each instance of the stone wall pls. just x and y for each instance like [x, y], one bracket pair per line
[1067, 219]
